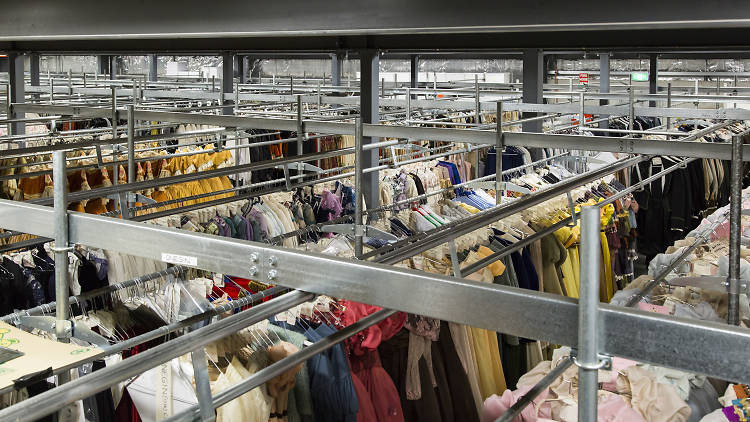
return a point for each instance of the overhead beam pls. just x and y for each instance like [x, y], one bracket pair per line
[145, 20]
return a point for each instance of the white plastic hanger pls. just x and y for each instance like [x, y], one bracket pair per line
[507, 186]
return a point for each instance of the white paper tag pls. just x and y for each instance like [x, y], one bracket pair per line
[656, 161]
[179, 259]
[219, 280]
[164, 392]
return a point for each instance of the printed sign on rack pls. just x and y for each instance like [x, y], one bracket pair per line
[583, 78]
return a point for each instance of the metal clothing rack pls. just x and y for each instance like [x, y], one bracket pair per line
[493, 307]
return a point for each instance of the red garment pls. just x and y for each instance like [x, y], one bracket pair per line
[371, 337]
[367, 370]
[366, 411]
[235, 292]
[379, 386]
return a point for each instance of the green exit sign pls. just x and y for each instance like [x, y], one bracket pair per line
[639, 76]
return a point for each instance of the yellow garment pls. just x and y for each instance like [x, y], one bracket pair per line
[567, 237]
[609, 282]
[607, 265]
[575, 260]
[497, 267]
[484, 344]
[569, 278]
[469, 208]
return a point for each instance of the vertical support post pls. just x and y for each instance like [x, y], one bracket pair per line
[359, 184]
[631, 108]
[240, 70]
[653, 77]
[669, 105]
[369, 69]
[414, 71]
[477, 120]
[227, 80]
[153, 68]
[70, 82]
[102, 66]
[499, 145]
[454, 259]
[115, 176]
[320, 101]
[203, 385]
[477, 105]
[570, 89]
[735, 231]
[408, 105]
[131, 143]
[382, 88]
[300, 132]
[255, 70]
[51, 90]
[718, 91]
[16, 92]
[336, 68]
[604, 84]
[291, 85]
[237, 98]
[62, 293]
[112, 67]
[533, 81]
[582, 115]
[34, 69]
[588, 318]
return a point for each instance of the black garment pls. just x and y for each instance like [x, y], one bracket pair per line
[665, 208]
[37, 389]
[420, 187]
[393, 355]
[513, 358]
[464, 408]
[698, 192]
[17, 297]
[451, 400]
[99, 407]
[88, 278]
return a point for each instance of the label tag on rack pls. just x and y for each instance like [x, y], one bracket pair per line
[169, 258]
[164, 391]
[219, 280]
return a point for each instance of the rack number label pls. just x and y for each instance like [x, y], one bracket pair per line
[179, 259]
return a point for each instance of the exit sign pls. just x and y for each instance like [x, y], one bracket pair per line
[639, 76]
[583, 78]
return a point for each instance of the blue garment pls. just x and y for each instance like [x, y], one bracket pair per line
[512, 158]
[455, 176]
[469, 201]
[522, 264]
[331, 385]
[484, 204]
[348, 199]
